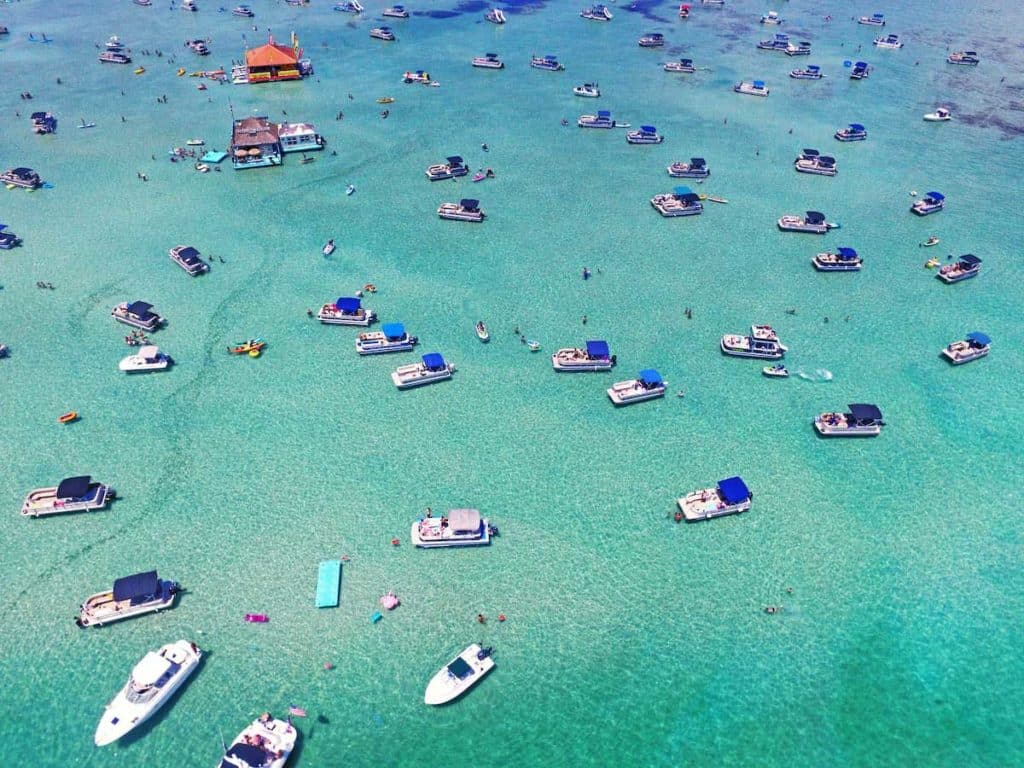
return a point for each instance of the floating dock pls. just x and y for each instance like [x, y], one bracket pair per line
[328, 584]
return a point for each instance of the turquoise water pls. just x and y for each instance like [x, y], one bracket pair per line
[629, 640]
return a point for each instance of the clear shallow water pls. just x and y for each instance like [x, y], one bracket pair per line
[630, 640]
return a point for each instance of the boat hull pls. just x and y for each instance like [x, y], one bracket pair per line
[444, 687]
[417, 376]
[706, 504]
[481, 538]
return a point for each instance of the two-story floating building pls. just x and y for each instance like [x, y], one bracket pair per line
[255, 143]
[272, 62]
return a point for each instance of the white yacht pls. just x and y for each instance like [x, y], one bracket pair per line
[697, 168]
[853, 132]
[966, 267]
[459, 675]
[932, 202]
[682, 201]
[771, 18]
[731, 496]
[964, 58]
[762, 343]
[114, 43]
[73, 494]
[451, 168]
[130, 596]
[647, 134]
[975, 345]
[396, 12]
[863, 420]
[891, 42]
[755, 88]
[597, 13]
[137, 314]
[587, 90]
[464, 210]
[683, 65]
[152, 683]
[148, 358]
[812, 222]
[495, 16]
[842, 260]
[940, 115]
[819, 165]
[431, 369]
[347, 310]
[603, 119]
[457, 528]
[188, 258]
[810, 72]
[648, 385]
[390, 338]
[874, 20]
[265, 743]
[488, 61]
[383, 33]
[595, 357]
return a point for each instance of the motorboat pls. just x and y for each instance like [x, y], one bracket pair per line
[964, 58]
[383, 33]
[932, 202]
[431, 369]
[891, 42]
[151, 684]
[648, 385]
[762, 343]
[682, 201]
[603, 119]
[464, 210]
[755, 88]
[392, 337]
[329, 248]
[874, 20]
[587, 90]
[189, 5]
[810, 72]
[459, 675]
[242, 10]
[812, 222]
[495, 16]
[853, 132]
[43, 123]
[8, 239]
[684, 11]
[595, 357]
[72, 494]
[840, 260]
[251, 347]
[451, 168]
[350, 6]
[149, 358]
[265, 743]
[777, 43]
[396, 12]
[198, 47]
[481, 331]
[137, 314]
[488, 61]
[862, 420]
[771, 18]
[114, 57]
[24, 178]
[976, 344]
[940, 115]
[820, 165]
[419, 77]
[860, 70]
[719, 3]
[798, 49]
[652, 40]
[966, 267]
[932, 240]
[647, 134]
[729, 497]
[695, 169]
[597, 13]
[130, 596]
[548, 62]
[683, 65]
[347, 310]
[457, 528]
[775, 371]
[114, 43]
[188, 258]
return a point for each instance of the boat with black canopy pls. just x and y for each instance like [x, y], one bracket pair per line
[265, 743]
[683, 65]
[853, 132]
[43, 123]
[488, 61]
[819, 165]
[72, 494]
[862, 420]
[966, 267]
[188, 258]
[137, 314]
[682, 201]
[464, 210]
[729, 497]
[131, 596]
[25, 178]
[841, 260]
[697, 168]
[459, 675]
[812, 222]
[451, 168]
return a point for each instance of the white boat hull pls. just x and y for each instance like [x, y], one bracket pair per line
[444, 687]
[706, 504]
[629, 392]
[423, 534]
[409, 376]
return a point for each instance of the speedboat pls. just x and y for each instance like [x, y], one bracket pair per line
[350, 6]
[595, 357]
[842, 260]
[115, 57]
[459, 675]
[932, 202]
[755, 88]
[138, 315]
[130, 596]
[684, 11]
[652, 40]
[891, 42]
[695, 169]
[763, 343]
[853, 132]
[874, 20]
[451, 168]
[390, 338]
[647, 134]
[683, 65]
[976, 344]
[810, 72]
[777, 43]
[73, 494]
[682, 201]
[861, 69]
[597, 13]
[151, 684]
[966, 267]
[481, 331]
[265, 743]
[488, 61]
[8, 239]
[25, 178]
[775, 371]
[189, 5]
[729, 497]
[820, 165]
[114, 43]
[347, 310]
[588, 90]
[198, 46]
[495, 16]
[431, 369]
[243, 10]
[940, 115]
[396, 12]
[43, 123]
[798, 49]
[603, 119]
[464, 210]
[648, 385]
[419, 77]
[458, 528]
[862, 420]
[328, 248]
[188, 258]
[964, 58]
[149, 358]
[772, 17]
[383, 33]
[812, 221]
[549, 63]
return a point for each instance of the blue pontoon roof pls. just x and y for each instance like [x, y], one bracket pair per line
[460, 669]
[648, 129]
[604, 113]
[811, 153]
[814, 217]
[680, 191]
[979, 338]
[846, 253]
[433, 361]
[970, 260]
[650, 377]
[140, 585]
[733, 490]
[188, 254]
[140, 309]
[865, 412]
[490, 55]
[551, 57]
[935, 195]
[697, 162]
[877, 15]
[759, 83]
[813, 68]
[348, 304]
[73, 487]
[686, 62]
[597, 349]
[860, 64]
[469, 205]
[393, 330]
[826, 160]
[856, 127]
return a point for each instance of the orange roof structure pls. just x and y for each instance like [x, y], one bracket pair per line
[270, 55]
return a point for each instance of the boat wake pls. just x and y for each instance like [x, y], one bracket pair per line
[818, 374]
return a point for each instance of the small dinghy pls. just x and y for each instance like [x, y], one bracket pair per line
[459, 675]
[350, 189]
[481, 332]
[933, 240]
[775, 371]
[533, 345]
[328, 248]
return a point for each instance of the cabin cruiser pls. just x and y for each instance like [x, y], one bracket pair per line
[431, 369]
[351, 6]
[683, 201]
[574, 360]
[798, 49]
[390, 338]
[777, 43]
[820, 165]
[771, 18]
[646, 386]
[652, 40]
[975, 345]
[464, 210]
[488, 61]
[347, 310]
[383, 33]
[419, 77]
[25, 178]
[130, 596]
[729, 497]
[842, 260]
[863, 420]
[148, 358]
[646, 135]
[151, 684]
[597, 13]
[812, 221]
[756, 88]
[114, 43]
[198, 46]
[853, 132]
[892, 42]
[188, 258]
[396, 12]
[932, 202]
[242, 10]
[695, 169]
[940, 115]
[966, 267]
[265, 743]
[115, 57]
[459, 675]
[603, 119]
[73, 494]
[810, 72]
[683, 65]
[457, 528]
[138, 315]
[546, 62]
[43, 122]
[763, 343]
[8, 239]
[587, 90]
[495, 16]
[450, 169]
[874, 20]
[861, 69]
[964, 58]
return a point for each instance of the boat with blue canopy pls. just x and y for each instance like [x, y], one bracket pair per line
[347, 310]
[892, 42]
[72, 494]
[595, 357]
[603, 119]
[966, 267]
[818, 165]
[597, 13]
[777, 43]
[188, 258]
[137, 314]
[647, 134]
[648, 385]
[548, 62]
[861, 70]
[652, 40]
[729, 497]
[812, 222]
[8, 239]
[755, 88]
[391, 337]
[862, 420]
[853, 132]
[682, 201]
[431, 369]
[874, 20]
[810, 72]
[131, 596]
[976, 344]
[932, 202]
[841, 260]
